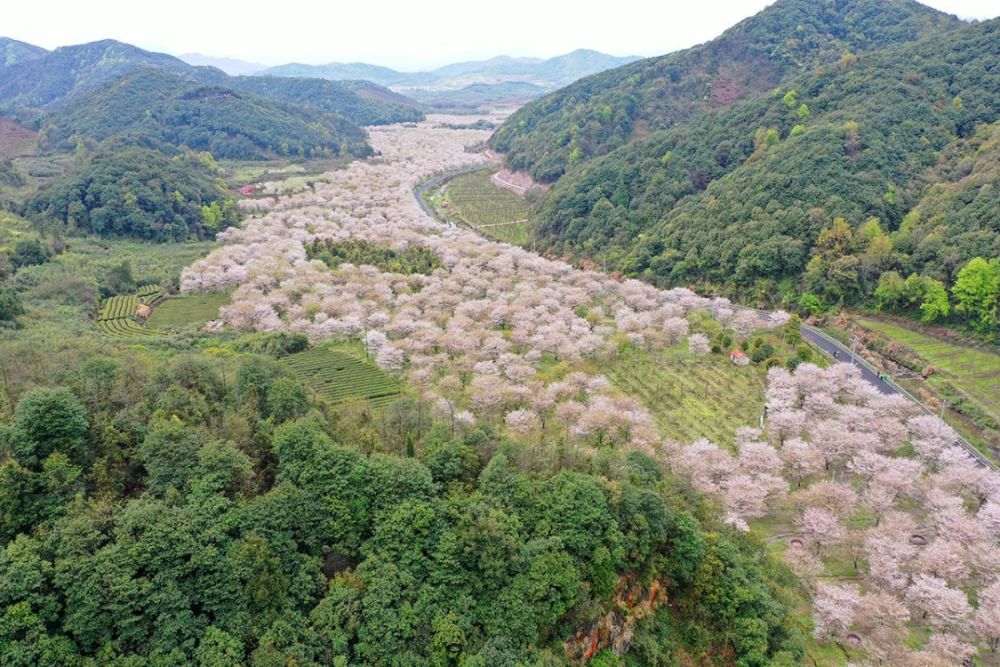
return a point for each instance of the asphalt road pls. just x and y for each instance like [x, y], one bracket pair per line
[841, 353]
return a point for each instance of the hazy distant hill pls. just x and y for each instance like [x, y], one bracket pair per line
[363, 102]
[230, 66]
[597, 114]
[47, 80]
[13, 51]
[478, 94]
[547, 74]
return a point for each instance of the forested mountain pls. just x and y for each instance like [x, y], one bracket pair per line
[896, 142]
[362, 102]
[70, 71]
[547, 73]
[600, 113]
[153, 108]
[13, 51]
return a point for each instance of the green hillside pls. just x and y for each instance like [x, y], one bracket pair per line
[739, 197]
[600, 113]
[153, 108]
[360, 102]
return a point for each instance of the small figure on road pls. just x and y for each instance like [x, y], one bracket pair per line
[836, 354]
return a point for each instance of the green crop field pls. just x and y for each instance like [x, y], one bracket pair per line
[337, 376]
[974, 373]
[117, 316]
[182, 311]
[490, 210]
[691, 397]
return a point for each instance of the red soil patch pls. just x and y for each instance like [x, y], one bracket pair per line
[15, 139]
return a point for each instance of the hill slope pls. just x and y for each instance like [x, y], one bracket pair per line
[13, 51]
[155, 109]
[71, 71]
[600, 113]
[740, 195]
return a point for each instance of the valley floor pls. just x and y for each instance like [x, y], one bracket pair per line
[576, 361]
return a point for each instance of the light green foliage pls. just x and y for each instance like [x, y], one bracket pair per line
[959, 367]
[489, 209]
[188, 310]
[691, 397]
[977, 292]
[337, 376]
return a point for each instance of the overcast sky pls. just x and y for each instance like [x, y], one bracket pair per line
[405, 34]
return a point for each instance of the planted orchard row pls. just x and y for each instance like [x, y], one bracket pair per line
[337, 376]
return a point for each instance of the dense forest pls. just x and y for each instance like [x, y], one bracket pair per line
[156, 537]
[602, 112]
[139, 193]
[872, 165]
[153, 108]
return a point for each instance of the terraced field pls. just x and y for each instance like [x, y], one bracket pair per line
[974, 373]
[494, 212]
[117, 316]
[337, 376]
[182, 311]
[691, 397]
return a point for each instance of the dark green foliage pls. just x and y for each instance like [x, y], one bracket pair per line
[29, 252]
[600, 113]
[10, 306]
[360, 102]
[201, 556]
[877, 131]
[49, 420]
[132, 192]
[413, 259]
[155, 109]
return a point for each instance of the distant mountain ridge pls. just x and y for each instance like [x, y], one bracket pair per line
[547, 73]
[58, 76]
[12, 51]
[41, 81]
[231, 66]
[153, 108]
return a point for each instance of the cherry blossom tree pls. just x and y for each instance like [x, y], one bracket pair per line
[986, 620]
[698, 344]
[834, 609]
[820, 526]
[943, 606]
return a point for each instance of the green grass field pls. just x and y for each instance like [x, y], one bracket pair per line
[337, 375]
[490, 210]
[691, 397]
[975, 374]
[182, 311]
